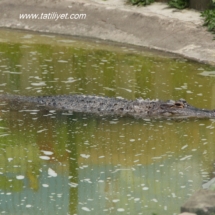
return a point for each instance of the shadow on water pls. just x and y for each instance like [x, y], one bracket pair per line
[57, 163]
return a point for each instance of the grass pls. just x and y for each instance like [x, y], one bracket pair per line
[179, 4]
[209, 19]
[141, 2]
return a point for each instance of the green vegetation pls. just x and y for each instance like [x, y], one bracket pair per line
[141, 2]
[179, 4]
[209, 19]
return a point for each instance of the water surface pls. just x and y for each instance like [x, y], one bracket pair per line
[58, 163]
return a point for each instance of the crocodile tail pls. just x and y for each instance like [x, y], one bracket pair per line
[9, 97]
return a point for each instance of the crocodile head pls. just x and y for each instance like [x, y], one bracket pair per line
[181, 109]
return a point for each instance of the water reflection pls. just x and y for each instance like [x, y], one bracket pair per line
[40, 65]
[58, 163]
[80, 164]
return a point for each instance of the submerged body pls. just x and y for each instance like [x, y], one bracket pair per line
[99, 105]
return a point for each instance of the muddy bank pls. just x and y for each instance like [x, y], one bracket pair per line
[156, 26]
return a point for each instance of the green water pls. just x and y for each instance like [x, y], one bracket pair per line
[57, 163]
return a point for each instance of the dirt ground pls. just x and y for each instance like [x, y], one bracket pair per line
[156, 26]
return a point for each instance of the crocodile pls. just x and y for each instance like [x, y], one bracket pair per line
[105, 106]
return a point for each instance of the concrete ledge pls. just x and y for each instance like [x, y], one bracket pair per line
[156, 26]
[202, 202]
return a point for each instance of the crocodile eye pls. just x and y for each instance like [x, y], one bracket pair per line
[179, 105]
